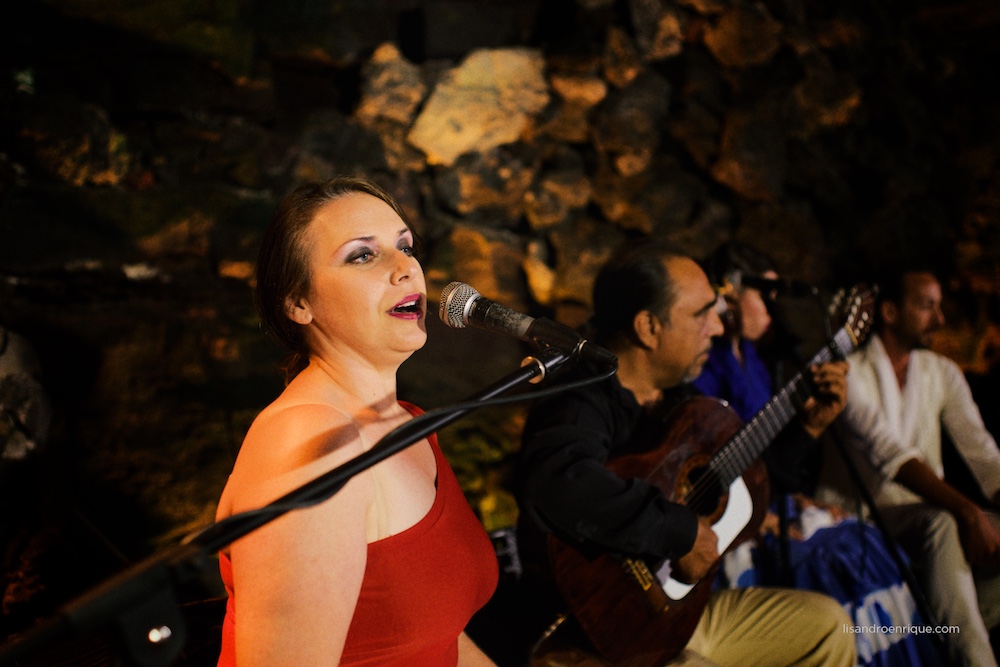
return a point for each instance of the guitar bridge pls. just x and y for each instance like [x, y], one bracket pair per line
[640, 572]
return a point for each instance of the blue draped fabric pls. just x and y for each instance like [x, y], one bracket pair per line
[850, 562]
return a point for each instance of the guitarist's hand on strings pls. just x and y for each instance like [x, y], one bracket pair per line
[695, 564]
[829, 381]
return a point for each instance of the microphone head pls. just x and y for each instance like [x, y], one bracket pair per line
[453, 308]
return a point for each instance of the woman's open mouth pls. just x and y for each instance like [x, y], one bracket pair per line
[409, 308]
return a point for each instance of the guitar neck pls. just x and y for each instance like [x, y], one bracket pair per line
[757, 434]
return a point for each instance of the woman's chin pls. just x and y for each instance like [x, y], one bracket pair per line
[414, 342]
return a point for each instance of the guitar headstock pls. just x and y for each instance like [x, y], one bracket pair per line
[855, 307]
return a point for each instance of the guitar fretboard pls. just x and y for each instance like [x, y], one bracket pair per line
[757, 434]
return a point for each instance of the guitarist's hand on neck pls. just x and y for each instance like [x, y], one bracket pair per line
[695, 564]
[829, 383]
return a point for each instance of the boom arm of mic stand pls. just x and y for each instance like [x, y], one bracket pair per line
[219, 535]
[141, 599]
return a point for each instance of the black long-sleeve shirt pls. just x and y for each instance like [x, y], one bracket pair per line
[564, 486]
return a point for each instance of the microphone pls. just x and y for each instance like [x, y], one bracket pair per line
[461, 306]
[779, 286]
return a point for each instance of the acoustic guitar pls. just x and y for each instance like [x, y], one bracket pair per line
[633, 612]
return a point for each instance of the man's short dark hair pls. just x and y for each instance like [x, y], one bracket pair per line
[890, 280]
[634, 279]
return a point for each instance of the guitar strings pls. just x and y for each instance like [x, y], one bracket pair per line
[729, 460]
[732, 459]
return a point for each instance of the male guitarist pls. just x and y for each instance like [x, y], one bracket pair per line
[655, 309]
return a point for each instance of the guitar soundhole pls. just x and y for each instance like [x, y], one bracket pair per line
[702, 490]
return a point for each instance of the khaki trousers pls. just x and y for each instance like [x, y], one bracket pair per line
[766, 627]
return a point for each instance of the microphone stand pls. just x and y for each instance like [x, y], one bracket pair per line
[140, 603]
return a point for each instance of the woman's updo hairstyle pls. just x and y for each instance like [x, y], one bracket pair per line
[726, 267]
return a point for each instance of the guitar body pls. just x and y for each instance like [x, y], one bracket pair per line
[628, 612]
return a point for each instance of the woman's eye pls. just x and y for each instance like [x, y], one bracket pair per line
[361, 256]
[407, 248]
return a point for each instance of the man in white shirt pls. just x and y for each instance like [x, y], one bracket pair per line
[900, 395]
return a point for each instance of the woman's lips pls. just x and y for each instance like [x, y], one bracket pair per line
[409, 308]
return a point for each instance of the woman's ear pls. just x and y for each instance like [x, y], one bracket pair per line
[729, 314]
[647, 328]
[298, 311]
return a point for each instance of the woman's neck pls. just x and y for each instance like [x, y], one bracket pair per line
[736, 345]
[355, 382]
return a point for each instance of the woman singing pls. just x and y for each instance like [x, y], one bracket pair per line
[389, 570]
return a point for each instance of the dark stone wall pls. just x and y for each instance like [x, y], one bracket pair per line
[143, 146]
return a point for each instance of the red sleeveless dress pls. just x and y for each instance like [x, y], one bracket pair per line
[420, 587]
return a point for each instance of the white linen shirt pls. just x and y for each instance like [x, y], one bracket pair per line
[888, 427]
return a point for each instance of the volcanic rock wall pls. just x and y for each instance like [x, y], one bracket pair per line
[144, 146]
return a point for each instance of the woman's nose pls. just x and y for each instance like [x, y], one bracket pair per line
[406, 264]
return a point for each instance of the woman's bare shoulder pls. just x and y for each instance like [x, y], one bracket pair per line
[289, 444]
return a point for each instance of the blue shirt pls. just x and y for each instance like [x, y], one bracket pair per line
[747, 386]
